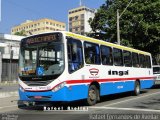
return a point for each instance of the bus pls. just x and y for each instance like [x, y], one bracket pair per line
[62, 67]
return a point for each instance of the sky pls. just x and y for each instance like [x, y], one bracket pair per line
[14, 12]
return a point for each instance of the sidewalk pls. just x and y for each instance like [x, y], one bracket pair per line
[8, 89]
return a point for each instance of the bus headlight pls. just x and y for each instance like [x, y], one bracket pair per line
[59, 86]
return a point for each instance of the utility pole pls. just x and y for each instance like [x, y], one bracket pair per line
[118, 31]
[118, 17]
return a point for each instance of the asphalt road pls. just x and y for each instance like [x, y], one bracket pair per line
[123, 106]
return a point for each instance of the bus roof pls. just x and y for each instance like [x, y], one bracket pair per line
[89, 39]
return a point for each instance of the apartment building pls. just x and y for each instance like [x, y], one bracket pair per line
[78, 19]
[39, 26]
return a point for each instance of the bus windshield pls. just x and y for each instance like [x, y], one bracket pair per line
[41, 60]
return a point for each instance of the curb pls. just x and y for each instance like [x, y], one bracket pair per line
[8, 94]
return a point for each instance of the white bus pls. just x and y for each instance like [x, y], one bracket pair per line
[63, 66]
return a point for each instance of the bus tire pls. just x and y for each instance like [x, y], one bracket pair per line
[136, 88]
[93, 95]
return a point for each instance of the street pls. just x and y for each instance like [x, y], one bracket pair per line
[125, 106]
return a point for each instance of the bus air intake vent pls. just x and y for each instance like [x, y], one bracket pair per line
[38, 83]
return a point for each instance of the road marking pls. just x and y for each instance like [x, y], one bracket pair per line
[7, 106]
[131, 109]
[131, 99]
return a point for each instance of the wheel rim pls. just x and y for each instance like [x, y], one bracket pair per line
[92, 95]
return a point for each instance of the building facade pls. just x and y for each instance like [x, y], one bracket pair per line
[39, 26]
[78, 19]
[9, 52]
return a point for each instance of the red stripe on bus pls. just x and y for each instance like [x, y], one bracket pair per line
[107, 80]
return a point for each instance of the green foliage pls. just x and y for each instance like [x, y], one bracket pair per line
[21, 33]
[139, 24]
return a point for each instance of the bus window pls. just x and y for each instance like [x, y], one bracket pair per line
[117, 56]
[148, 61]
[92, 53]
[142, 60]
[75, 55]
[106, 55]
[127, 58]
[135, 60]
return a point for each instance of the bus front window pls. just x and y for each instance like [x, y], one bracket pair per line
[41, 60]
[51, 59]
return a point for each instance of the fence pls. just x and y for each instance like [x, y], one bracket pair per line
[9, 70]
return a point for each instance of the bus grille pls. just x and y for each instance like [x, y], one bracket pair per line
[38, 83]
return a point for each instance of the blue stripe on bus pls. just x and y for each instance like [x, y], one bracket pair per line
[77, 92]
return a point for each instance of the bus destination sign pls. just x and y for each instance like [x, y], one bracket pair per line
[41, 39]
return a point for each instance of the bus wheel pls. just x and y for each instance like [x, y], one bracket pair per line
[93, 93]
[137, 88]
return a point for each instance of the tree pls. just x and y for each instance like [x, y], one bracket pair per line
[21, 33]
[139, 25]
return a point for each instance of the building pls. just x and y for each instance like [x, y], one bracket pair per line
[39, 26]
[78, 19]
[9, 52]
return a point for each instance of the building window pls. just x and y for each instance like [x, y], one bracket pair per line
[82, 28]
[70, 19]
[76, 17]
[82, 16]
[70, 29]
[76, 29]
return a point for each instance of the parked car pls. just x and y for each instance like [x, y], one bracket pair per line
[156, 72]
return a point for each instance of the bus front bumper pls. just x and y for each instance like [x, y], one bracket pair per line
[65, 94]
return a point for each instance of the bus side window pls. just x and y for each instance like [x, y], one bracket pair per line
[92, 53]
[106, 55]
[142, 61]
[135, 59]
[127, 58]
[148, 61]
[118, 58]
[75, 54]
